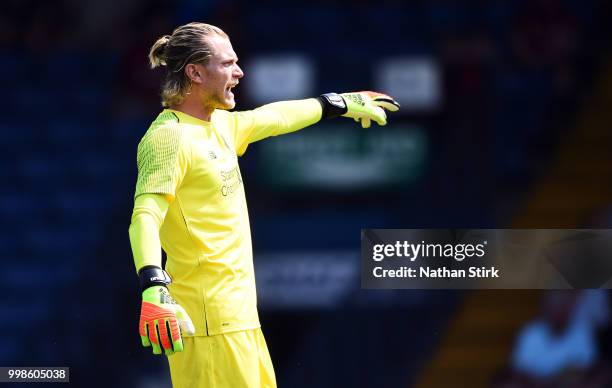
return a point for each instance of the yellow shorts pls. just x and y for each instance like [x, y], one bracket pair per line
[232, 360]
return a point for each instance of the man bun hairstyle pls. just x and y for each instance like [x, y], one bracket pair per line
[157, 54]
[187, 44]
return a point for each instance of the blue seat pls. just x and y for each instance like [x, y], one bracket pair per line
[15, 67]
[44, 172]
[85, 68]
[27, 128]
[74, 135]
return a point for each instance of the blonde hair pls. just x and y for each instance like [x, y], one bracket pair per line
[187, 44]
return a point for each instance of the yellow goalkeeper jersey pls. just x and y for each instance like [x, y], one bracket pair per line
[206, 233]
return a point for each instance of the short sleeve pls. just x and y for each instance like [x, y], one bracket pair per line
[162, 161]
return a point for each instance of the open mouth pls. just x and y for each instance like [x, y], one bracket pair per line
[229, 88]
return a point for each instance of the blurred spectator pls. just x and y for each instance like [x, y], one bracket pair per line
[468, 59]
[49, 28]
[138, 93]
[39, 27]
[560, 348]
[546, 34]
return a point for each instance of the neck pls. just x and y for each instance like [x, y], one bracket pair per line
[194, 108]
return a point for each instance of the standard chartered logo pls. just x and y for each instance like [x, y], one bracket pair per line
[231, 181]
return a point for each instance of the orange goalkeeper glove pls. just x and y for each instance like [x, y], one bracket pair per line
[161, 319]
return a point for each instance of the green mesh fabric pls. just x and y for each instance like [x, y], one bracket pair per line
[158, 156]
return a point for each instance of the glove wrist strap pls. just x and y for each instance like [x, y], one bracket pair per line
[333, 105]
[151, 275]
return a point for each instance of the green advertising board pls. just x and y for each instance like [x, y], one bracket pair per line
[345, 157]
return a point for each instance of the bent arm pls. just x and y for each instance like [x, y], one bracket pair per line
[147, 218]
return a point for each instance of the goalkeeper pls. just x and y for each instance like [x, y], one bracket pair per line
[202, 309]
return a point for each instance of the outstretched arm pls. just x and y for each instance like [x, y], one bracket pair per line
[272, 120]
[288, 116]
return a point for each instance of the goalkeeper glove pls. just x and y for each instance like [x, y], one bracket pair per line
[161, 318]
[361, 106]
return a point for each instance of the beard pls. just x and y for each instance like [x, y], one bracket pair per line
[223, 100]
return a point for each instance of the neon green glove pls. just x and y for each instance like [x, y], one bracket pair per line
[162, 320]
[367, 106]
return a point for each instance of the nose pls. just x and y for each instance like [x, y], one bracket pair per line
[238, 72]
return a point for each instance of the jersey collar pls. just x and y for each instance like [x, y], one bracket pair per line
[185, 118]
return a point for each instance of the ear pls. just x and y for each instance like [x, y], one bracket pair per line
[194, 73]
